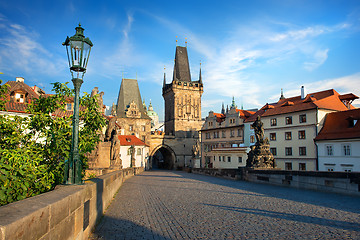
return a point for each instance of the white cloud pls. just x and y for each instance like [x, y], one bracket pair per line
[20, 49]
[319, 58]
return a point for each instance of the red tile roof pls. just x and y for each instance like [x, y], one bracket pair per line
[128, 140]
[244, 114]
[338, 126]
[15, 106]
[219, 117]
[328, 99]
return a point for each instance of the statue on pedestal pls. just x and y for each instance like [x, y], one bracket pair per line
[260, 155]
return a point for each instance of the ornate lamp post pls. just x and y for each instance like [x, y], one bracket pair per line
[78, 51]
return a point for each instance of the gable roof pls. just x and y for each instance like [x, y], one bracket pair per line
[339, 125]
[129, 92]
[128, 140]
[19, 86]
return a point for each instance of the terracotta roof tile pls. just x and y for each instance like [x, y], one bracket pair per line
[128, 140]
[328, 99]
[338, 125]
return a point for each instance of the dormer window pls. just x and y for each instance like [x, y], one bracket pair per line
[19, 97]
[68, 106]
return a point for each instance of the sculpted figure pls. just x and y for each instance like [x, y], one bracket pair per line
[196, 149]
[115, 148]
[110, 128]
[259, 130]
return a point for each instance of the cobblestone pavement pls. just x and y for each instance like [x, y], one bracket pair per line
[178, 205]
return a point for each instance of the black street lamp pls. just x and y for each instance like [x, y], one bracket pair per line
[78, 51]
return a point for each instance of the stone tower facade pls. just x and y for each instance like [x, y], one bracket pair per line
[182, 99]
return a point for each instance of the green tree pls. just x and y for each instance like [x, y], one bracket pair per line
[33, 149]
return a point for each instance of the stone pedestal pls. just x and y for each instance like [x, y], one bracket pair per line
[260, 157]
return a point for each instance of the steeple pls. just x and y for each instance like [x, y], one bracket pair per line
[282, 95]
[164, 83]
[200, 77]
[222, 109]
[233, 105]
[181, 65]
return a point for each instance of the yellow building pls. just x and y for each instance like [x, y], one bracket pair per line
[222, 139]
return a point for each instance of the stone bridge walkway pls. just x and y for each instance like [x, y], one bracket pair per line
[178, 205]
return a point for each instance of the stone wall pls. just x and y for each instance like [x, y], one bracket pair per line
[337, 182]
[68, 212]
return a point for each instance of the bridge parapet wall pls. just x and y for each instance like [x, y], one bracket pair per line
[68, 212]
[336, 182]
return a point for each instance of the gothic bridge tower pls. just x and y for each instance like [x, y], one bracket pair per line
[182, 116]
[182, 99]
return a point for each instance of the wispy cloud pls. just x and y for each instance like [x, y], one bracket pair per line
[23, 45]
[343, 85]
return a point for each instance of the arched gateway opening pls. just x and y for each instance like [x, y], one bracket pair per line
[162, 157]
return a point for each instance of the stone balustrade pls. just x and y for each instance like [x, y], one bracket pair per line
[68, 212]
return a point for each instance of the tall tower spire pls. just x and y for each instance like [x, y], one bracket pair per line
[222, 109]
[164, 83]
[181, 65]
[282, 95]
[200, 77]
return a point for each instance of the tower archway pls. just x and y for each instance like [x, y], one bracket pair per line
[162, 157]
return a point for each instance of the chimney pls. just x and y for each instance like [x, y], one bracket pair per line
[302, 92]
[19, 79]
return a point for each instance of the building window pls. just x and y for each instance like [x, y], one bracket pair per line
[273, 151]
[19, 97]
[69, 107]
[288, 151]
[219, 158]
[223, 134]
[252, 139]
[302, 166]
[288, 166]
[302, 134]
[272, 136]
[330, 169]
[229, 159]
[232, 120]
[288, 120]
[302, 151]
[329, 150]
[346, 149]
[288, 136]
[129, 151]
[143, 128]
[240, 159]
[232, 133]
[302, 118]
[210, 124]
[273, 122]
[239, 133]
[138, 151]
[131, 128]
[223, 158]
[143, 138]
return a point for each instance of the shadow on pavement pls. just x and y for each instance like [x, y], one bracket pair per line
[350, 226]
[325, 199]
[113, 228]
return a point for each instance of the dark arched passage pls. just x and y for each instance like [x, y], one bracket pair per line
[163, 157]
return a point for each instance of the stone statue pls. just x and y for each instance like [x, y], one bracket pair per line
[260, 155]
[99, 97]
[196, 149]
[113, 110]
[110, 129]
[259, 130]
[114, 150]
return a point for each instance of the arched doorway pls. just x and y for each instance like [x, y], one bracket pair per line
[163, 157]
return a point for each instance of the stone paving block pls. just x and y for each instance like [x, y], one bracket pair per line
[178, 205]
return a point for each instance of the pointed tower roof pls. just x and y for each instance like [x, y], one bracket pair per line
[181, 66]
[129, 92]
[233, 105]
[200, 77]
[222, 109]
[282, 95]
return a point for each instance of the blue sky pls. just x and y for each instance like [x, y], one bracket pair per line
[248, 49]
